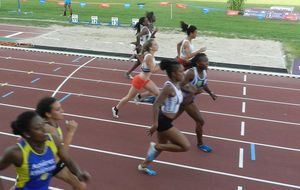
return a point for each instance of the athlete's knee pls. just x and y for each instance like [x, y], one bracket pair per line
[186, 146]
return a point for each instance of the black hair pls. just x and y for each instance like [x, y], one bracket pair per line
[170, 65]
[198, 57]
[187, 28]
[151, 16]
[137, 27]
[44, 106]
[22, 123]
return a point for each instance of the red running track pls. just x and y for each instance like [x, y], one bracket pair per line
[270, 118]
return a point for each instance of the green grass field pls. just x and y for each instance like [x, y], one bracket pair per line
[215, 23]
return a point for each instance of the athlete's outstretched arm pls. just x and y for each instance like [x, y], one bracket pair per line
[71, 164]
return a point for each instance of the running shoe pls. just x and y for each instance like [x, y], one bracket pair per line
[129, 76]
[151, 152]
[137, 98]
[149, 99]
[115, 112]
[147, 170]
[204, 148]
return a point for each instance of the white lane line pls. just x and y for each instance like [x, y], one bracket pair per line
[241, 158]
[13, 180]
[242, 128]
[239, 188]
[163, 75]
[243, 107]
[128, 84]
[146, 126]
[244, 91]
[245, 78]
[182, 166]
[68, 77]
[14, 34]
[116, 99]
[126, 59]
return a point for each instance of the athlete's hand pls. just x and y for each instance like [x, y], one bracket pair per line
[213, 96]
[152, 130]
[203, 49]
[71, 126]
[84, 176]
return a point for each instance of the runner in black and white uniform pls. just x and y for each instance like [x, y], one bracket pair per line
[143, 34]
[165, 110]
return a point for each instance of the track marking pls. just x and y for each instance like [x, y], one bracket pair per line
[126, 59]
[239, 188]
[23, 32]
[204, 111]
[244, 91]
[179, 165]
[245, 78]
[163, 75]
[13, 180]
[77, 59]
[4, 84]
[253, 153]
[146, 126]
[14, 34]
[58, 68]
[243, 107]
[68, 77]
[241, 158]
[242, 128]
[35, 80]
[127, 84]
[7, 94]
[64, 98]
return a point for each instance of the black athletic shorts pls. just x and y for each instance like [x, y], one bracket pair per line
[164, 123]
[59, 166]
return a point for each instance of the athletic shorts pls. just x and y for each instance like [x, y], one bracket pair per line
[59, 166]
[138, 83]
[164, 123]
[67, 2]
[186, 64]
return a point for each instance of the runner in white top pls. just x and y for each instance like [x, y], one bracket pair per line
[197, 78]
[143, 34]
[185, 48]
[142, 81]
[165, 110]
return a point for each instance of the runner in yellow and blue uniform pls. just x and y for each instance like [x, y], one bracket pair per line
[35, 155]
[67, 3]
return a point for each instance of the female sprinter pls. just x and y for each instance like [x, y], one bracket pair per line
[152, 19]
[50, 110]
[185, 48]
[197, 77]
[143, 34]
[35, 155]
[142, 80]
[165, 110]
